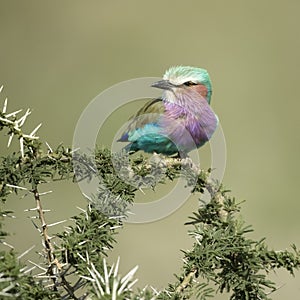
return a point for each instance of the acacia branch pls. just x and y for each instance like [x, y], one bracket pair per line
[221, 253]
[54, 264]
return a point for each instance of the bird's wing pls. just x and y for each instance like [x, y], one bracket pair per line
[147, 115]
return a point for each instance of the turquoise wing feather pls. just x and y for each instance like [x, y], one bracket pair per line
[146, 118]
[145, 133]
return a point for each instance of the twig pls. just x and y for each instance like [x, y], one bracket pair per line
[218, 197]
[67, 286]
[186, 281]
[54, 265]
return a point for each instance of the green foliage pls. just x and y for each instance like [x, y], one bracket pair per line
[14, 283]
[80, 240]
[33, 170]
[223, 258]
[225, 255]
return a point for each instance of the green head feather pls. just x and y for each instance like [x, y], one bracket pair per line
[180, 74]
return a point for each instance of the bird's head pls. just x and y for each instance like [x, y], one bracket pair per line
[181, 79]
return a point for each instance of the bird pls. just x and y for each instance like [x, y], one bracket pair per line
[179, 121]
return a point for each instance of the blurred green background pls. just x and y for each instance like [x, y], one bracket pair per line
[56, 56]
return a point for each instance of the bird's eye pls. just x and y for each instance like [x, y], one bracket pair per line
[189, 83]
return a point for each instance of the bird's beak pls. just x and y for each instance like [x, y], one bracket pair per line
[163, 84]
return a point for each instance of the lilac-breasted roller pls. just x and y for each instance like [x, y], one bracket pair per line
[178, 122]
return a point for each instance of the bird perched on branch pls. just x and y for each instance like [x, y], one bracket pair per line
[178, 122]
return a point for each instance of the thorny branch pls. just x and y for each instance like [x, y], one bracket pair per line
[54, 265]
[221, 253]
[14, 125]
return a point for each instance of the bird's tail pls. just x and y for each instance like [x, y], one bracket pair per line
[130, 148]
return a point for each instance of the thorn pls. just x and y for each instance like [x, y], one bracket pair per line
[117, 267]
[125, 280]
[100, 226]
[78, 228]
[86, 196]
[115, 227]
[50, 286]
[131, 284]
[74, 150]
[106, 278]
[81, 256]
[30, 209]
[30, 137]
[25, 252]
[35, 130]
[92, 168]
[1, 88]
[30, 269]
[45, 193]
[5, 104]
[21, 121]
[38, 266]
[8, 245]
[82, 243]
[22, 146]
[9, 216]
[98, 279]
[130, 274]
[87, 257]
[87, 278]
[16, 187]
[36, 227]
[117, 217]
[7, 121]
[83, 210]
[7, 291]
[56, 223]
[13, 113]
[140, 189]
[10, 139]
[41, 254]
[50, 149]
[114, 289]
[111, 270]
[154, 290]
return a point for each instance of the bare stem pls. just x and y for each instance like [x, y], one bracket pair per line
[69, 288]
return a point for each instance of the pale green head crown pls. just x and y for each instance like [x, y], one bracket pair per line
[180, 74]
